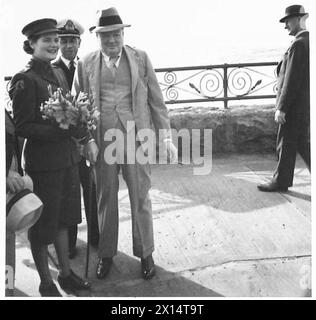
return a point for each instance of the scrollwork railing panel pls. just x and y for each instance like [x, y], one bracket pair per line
[224, 82]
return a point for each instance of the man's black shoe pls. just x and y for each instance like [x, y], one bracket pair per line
[103, 267]
[49, 291]
[148, 267]
[271, 187]
[72, 253]
[73, 282]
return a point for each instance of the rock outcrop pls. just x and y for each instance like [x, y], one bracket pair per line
[242, 129]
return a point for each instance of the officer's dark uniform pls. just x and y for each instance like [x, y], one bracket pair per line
[51, 156]
[69, 73]
[68, 28]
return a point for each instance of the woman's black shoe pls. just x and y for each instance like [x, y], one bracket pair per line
[49, 291]
[73, 282]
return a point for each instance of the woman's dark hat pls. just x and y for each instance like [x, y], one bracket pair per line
[108, 20]
[39, 27]
[294, 11]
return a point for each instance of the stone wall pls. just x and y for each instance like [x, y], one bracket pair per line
[242, 129]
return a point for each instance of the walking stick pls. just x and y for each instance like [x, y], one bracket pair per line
[88, 216]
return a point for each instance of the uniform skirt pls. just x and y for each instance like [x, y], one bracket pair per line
[59, 191]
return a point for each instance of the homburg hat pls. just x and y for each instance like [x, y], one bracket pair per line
[108, 20]
[294, 11]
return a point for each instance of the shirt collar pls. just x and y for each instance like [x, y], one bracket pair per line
[40, 65]
[107, 58]
[300, 32]
[66, 61]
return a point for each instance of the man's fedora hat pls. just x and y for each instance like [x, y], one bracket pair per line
[69, 28]
[23, 209]
[41, 26]
[294, 11]
[108, 20]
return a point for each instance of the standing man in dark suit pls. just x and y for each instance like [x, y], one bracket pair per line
[292, 102]
[69, 34]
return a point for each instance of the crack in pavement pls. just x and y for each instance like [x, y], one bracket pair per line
[168, 275]
[248, 260]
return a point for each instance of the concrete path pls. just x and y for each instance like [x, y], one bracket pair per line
[215, 236]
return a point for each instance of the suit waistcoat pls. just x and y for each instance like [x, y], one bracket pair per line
[116, 95]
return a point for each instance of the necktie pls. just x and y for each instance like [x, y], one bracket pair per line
[112, 65]
[71, 70]
[72, 66]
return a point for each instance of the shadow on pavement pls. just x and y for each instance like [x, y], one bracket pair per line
[124, 280]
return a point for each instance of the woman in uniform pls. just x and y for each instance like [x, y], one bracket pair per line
[50, 154]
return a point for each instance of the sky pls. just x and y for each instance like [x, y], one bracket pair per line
[174, 33]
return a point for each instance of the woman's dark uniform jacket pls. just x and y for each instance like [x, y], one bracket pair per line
[48, 147]
[12, 145]
[48, 150]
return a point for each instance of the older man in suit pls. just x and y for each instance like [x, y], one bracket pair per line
[69, 34]
[293, 102]
[122, 83]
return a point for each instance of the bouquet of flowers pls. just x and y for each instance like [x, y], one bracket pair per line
[67, 110]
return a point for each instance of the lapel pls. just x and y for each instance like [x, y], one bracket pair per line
[60, 63]
[95, 64]
[94, 70]
[132, 61]
[283, 60]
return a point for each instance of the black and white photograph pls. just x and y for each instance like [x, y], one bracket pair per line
[156, 150]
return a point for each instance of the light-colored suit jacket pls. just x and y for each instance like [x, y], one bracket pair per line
[147, 101]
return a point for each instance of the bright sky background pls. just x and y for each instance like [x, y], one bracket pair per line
[173, 32]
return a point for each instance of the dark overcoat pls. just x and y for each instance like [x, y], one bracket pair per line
[293, 95]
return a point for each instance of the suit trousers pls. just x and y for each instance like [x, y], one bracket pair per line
[293, 137]
[137, 177]
[91, 216]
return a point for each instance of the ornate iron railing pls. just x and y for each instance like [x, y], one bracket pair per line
[222, 82]
[7, 100]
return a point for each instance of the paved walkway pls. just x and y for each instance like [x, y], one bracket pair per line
[215, 236]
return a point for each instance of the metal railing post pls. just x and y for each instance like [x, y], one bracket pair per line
[225, 85]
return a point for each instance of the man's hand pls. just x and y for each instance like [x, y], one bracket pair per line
[14, 182]
[172, 151]
[279, 117]
[91, 151]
